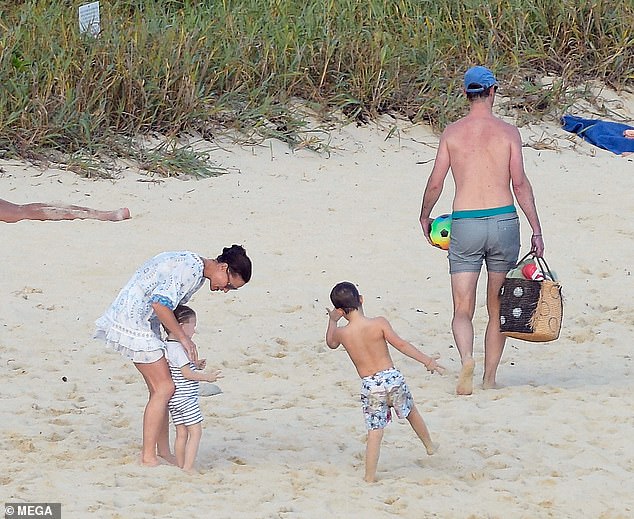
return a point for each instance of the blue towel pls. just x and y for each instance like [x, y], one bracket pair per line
[604, 134]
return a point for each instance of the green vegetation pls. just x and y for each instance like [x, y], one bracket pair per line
[172, 67]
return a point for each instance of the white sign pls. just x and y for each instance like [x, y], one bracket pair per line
[89, 19]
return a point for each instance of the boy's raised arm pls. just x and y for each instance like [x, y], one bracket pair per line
[410, 350]
[332, 340]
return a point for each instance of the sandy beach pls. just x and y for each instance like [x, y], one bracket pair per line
[286, 437]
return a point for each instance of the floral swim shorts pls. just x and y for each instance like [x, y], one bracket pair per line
[380, 393]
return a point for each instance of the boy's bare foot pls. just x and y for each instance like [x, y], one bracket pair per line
[431, 448]
[465, 379]
[369, 479]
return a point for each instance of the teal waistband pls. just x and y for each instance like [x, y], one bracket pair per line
[483, 213]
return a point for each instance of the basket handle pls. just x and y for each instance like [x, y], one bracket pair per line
[541, 262]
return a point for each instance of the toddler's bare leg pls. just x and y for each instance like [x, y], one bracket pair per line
[180, 444]
[418, 424]
[193, 441]
[372, 451]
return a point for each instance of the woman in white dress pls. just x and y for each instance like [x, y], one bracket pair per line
[131, 325]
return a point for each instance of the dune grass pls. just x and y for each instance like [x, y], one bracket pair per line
[174, 68]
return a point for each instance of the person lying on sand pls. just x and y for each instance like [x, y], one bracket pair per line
[12, 213]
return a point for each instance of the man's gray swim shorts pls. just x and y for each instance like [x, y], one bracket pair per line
[492, 235]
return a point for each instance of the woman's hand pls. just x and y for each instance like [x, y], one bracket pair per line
[190, 349]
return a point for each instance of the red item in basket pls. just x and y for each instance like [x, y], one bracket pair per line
[531, 271]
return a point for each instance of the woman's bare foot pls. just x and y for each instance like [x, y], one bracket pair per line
[153, 462]
[170, 459]
[465, 379]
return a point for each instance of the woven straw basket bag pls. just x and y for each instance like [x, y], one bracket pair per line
[531, 310]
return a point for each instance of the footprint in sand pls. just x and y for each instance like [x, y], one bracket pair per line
[291, 309]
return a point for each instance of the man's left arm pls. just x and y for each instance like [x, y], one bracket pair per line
[523, 192]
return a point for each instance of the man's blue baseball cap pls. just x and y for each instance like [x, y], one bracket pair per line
[477, 79]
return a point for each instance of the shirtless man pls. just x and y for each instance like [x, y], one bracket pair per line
[12, 213]
[485, 157]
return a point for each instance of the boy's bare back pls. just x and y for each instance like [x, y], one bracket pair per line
[365, 340]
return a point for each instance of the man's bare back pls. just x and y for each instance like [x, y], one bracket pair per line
[479, 148]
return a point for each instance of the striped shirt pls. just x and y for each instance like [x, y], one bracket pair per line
[185, 397]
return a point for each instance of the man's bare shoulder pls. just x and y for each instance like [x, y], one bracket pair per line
[459, 127]
[454, 126]
[511, 128]
[470, 124]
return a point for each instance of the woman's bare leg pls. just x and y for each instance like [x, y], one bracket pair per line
[155, 433]
[163, 448]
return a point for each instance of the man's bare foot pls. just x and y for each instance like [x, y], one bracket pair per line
[369, 479]
[465, 379]
[490, 385]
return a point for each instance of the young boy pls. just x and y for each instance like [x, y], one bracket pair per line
[184, 405]
[382, 385]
